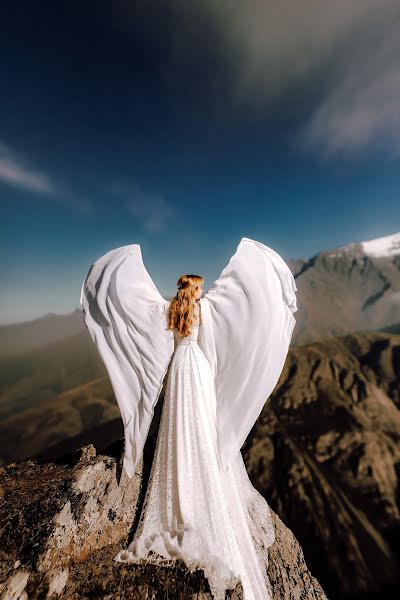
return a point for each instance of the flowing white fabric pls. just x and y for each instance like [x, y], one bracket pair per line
[245, 334]
[126, 318]
[200, 505]
[247, 324]
[213, 519]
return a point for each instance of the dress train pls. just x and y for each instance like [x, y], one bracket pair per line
[212, 519]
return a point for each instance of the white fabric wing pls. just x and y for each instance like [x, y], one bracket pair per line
[247, 325]
[127, 319]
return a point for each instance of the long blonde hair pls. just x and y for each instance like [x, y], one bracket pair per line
[181, 311]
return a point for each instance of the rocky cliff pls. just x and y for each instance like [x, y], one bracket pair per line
[325, 452]
[62, 523]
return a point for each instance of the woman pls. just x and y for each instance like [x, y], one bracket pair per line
[224, 353]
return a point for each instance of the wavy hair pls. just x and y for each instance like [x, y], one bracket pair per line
[181, 311]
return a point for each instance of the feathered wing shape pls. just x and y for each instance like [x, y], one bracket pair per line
[247, 325]
[127, 319]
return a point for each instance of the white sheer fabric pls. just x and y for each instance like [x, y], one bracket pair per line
[247, 325]
[125, 316]
[211, 518]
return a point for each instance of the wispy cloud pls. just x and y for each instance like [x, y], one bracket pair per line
[15, 171]
[363, 109]
[336, 63]
[149, 207]
[16, 174]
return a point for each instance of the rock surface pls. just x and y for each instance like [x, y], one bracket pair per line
[62, 523]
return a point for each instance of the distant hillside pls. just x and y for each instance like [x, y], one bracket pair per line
[22, 337]
[63, 417]
[30, 378]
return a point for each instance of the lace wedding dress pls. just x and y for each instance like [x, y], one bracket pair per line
[212, 519]
[199, 505]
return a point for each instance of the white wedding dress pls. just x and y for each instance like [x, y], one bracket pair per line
[212, 519]
[200, 505]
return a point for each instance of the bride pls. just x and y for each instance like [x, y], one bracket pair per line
[224, 352]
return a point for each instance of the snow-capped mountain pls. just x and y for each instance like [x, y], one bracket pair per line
[349, 288]
[382, 247]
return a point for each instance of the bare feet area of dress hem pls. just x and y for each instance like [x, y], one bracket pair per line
[211, 519]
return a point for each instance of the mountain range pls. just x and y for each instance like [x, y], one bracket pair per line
[349, 288]
[353, 287]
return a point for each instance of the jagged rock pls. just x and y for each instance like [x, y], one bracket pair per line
[287, 569]
[52, 514]
[61, 524]
[325, 453]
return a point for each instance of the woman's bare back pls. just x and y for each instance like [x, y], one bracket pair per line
[196, 319]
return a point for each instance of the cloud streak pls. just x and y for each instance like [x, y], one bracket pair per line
[14, 172]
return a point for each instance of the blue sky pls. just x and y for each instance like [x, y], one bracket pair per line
[186, 126]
